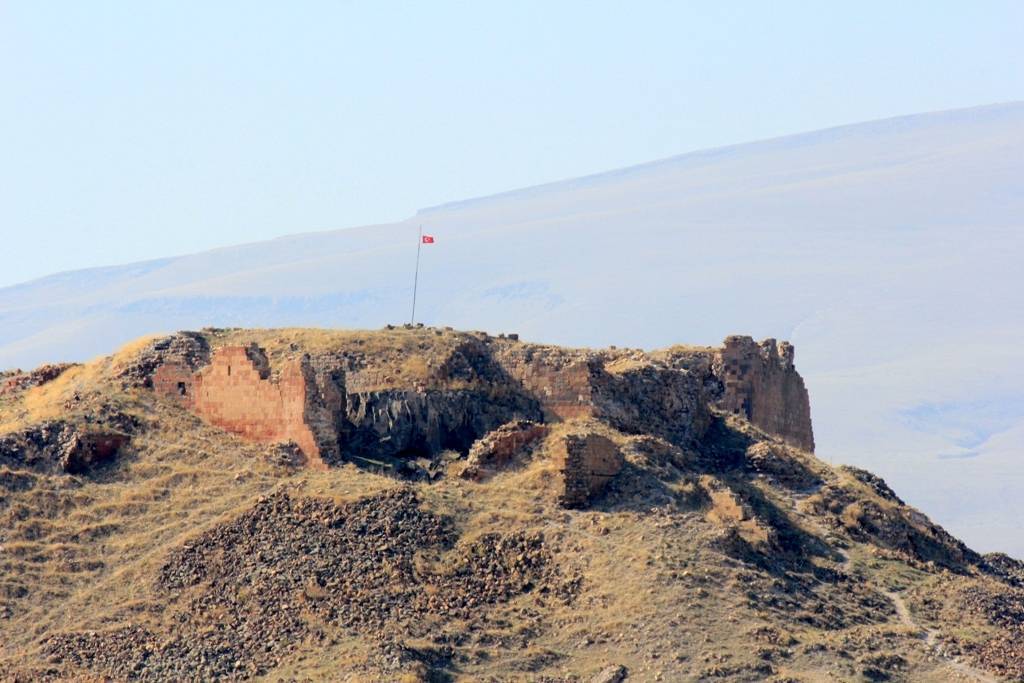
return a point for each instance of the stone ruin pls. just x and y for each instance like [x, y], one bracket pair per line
[236, 392]
[335, 406]
[16, 380]
[760, 383]
[587, 462]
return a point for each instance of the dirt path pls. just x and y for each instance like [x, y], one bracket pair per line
[931, 637]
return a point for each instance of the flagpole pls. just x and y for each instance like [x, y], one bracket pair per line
[416, 278]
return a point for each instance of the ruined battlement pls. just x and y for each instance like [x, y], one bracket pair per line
[236, 391]
[760, 383]
[448, 389]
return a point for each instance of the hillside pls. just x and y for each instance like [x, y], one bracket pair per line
[423, 504]
[886, 250]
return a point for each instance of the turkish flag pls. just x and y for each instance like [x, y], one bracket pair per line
[428, 239]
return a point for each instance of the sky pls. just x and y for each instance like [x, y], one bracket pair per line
[131, 131]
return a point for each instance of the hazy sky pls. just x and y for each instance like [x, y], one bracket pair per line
[136, 130]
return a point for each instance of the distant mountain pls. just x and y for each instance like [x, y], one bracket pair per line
[888, 251]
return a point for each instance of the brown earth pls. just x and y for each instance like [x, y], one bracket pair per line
[620, 516]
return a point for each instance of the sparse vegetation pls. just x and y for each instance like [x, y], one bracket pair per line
[735, 558]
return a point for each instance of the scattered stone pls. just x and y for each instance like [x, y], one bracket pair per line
[615, 673]
[20, 381]
[245, 593]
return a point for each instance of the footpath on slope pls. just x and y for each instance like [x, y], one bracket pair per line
[929, 635]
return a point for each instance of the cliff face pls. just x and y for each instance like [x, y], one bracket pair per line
[447, 394]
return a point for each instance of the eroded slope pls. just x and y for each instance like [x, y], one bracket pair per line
[716, 551]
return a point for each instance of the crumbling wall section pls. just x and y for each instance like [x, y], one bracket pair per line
[635, 395]
[644, 397]
[587, 462]
[559, 378]
[498, 448]
[760, 383]
[326, 398]
[236, 392]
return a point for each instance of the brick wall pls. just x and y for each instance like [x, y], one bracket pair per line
[236, 392]
[587, 463]
[559, 379]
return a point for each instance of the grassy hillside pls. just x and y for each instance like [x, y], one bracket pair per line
[196, 555]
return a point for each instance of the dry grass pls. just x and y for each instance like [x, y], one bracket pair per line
[658, 594]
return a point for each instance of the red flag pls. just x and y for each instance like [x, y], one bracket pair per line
[428, 239]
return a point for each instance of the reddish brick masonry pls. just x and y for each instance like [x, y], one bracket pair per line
[236, 393]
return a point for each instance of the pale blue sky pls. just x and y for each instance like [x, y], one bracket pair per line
[136, 130]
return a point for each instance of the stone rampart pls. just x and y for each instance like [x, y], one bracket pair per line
[406, 402]
[760, 383]
[559, 378]
[237, 393]
[587, 462]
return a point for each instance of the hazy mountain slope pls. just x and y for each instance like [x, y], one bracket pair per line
[885, 250]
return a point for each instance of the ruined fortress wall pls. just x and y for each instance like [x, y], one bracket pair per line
[650, 398]
[559, 379]
[760, 382]
[175, 379]
[235, 392]
[323, 404]
[587, 463]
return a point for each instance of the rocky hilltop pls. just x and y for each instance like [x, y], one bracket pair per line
[424, 504]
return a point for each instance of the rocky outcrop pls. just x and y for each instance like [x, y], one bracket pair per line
[782, 465]
[586, 462]
[20, 381]
[59, 446]
[870, 512]
[400, 423]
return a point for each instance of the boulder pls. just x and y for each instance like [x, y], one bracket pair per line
[616, 673]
